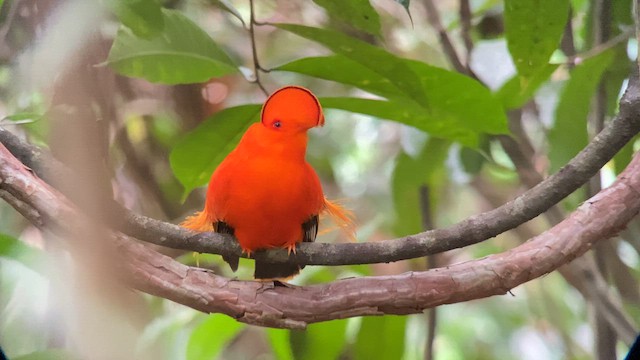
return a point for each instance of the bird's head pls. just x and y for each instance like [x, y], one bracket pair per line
[292, 109]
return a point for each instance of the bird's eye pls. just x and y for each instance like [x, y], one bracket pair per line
[277, 124]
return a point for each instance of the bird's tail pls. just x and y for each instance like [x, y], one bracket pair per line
[342, 217]
[198, 222]
[271, 271]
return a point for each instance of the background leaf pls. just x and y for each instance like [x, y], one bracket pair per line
[183, 53]
[343, 70]
[143, 17]
[459, 109]
[405, 4]
[374, 58]
[228, 7]
[194, 158]
[533, 30]
[358, 13]
[515, 92]
[280, 343]
[319, 341]
[381, 337]
[408, 113]
[569, 132]
[209, 339]
[15, 249]
[408, 175]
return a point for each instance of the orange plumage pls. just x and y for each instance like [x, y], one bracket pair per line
[264, 192]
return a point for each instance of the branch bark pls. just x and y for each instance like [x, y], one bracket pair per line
[276, 305]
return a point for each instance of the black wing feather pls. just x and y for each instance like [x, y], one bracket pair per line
[222, 227]
[310, 229]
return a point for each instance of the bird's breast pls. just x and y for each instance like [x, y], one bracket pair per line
[265, 199]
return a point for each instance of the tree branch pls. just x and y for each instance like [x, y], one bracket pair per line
[275, 305]
[467, 232]
[470, 231]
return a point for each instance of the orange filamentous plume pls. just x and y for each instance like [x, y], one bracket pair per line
[342, 217]
[198, 222]
[264, 193]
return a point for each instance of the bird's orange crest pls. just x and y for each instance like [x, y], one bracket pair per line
[293, 106]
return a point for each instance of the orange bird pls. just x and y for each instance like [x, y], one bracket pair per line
[264, 192]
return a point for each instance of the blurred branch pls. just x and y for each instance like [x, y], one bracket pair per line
[144, 175]
[256, 63]
[277, 305]
[605, 336]
[465, 27]
[427, 224]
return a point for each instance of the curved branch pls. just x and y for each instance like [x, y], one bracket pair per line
[276, 305]
[470, 231]
[467, 232]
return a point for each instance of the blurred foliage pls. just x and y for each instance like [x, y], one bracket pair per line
[398, 119]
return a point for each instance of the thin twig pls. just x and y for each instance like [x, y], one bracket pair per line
[600, 48]
[447, 46]
[256, 63]
[567, 44]
[637, 21]
[465, 27]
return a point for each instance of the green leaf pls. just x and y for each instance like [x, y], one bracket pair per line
[460, 97]
[210, 337]
[15, 249]
[320, 341]
[516, 92]
[411, 173]
[194, 158]
[533, 30]
[280, 343]
[374, 58]
[341, 69]
[25, 117]
[381, 337]
[569, 133]
[143, 17]
[624, 156]
[405, 4]
[181, 53]
[460, 107]
[359, 13]
[51, 354]
[408, 113]
[472, 160]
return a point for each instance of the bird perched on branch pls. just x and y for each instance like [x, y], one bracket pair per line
[264, 192]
